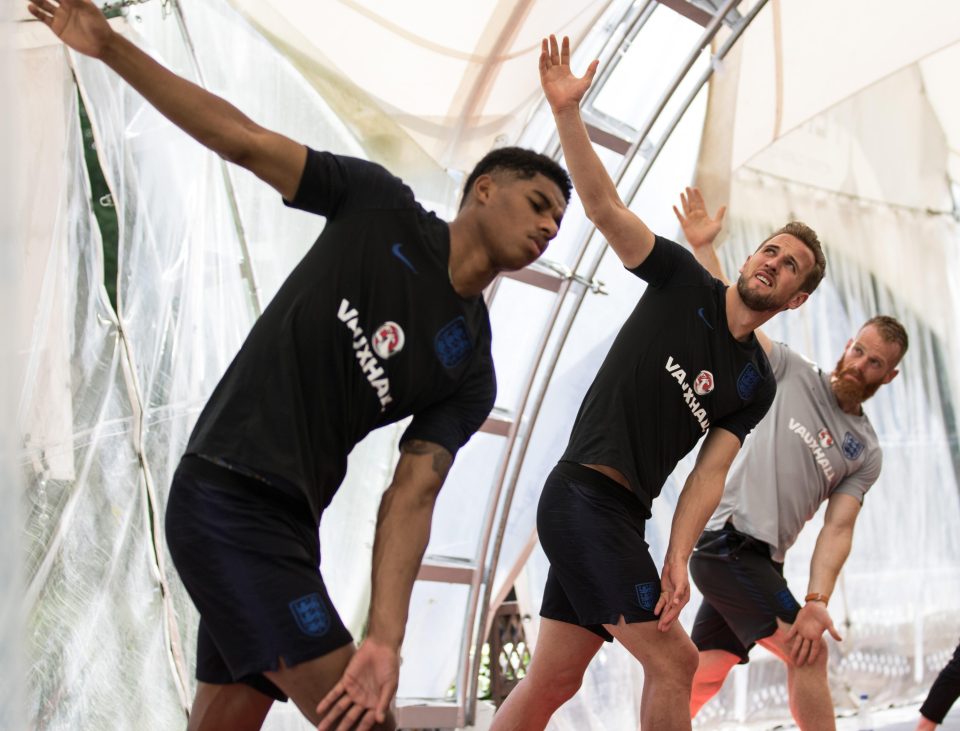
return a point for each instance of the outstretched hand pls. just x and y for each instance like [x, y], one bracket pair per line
[560, 86]
[362, 696]
[674, 594]
[811, 622]
[78, 23]
[699, 228]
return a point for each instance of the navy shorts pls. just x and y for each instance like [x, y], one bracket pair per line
[248, 554]
[592, 530]
[744, 592]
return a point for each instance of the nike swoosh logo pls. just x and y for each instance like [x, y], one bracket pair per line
[702, 317]
[395, 250]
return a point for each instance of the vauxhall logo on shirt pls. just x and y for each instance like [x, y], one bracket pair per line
[816, 443]
[702, 386]
[387, 341]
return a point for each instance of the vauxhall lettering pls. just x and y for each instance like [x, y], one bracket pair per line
[369, 365]
[689, 395]
[813, 444]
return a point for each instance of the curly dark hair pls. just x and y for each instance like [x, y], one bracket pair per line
[521, 162]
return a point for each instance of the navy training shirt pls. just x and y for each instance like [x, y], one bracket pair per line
[673, 372]
[365, 331]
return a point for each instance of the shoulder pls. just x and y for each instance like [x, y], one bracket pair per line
[669, 263]
[333, 185]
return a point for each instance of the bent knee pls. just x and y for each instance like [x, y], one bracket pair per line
[818, 664]
[555, 687]
[677, 662]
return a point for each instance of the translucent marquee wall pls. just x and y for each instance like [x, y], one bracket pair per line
[897, 602]
[106, 397]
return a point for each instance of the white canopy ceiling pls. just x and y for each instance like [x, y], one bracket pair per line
[800, 57]
[449, 77]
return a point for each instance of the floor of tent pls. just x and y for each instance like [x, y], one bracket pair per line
[894, 719]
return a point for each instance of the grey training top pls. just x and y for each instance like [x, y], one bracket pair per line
[805, 450]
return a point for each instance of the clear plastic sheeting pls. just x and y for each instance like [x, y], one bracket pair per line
[12, 683]
[108, 399]
[93, 607]
[105, 399]
[897, 600]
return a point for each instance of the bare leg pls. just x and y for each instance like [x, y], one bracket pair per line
[925, 724]
[308, 682]
[713, 669]
[234, 706]
[810, 701]
[556, 671]
[669, 661]
[238, 707]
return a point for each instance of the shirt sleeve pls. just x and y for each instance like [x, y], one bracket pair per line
[670, 263]
[453, 421]
[784, 359]
[741, 422]
[336, 185]
[862, 480]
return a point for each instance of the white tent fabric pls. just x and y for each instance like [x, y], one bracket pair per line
[12, 683]
[801, 57]
[423, 83]
[106, 399]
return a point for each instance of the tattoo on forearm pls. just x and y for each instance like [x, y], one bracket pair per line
[442, 459]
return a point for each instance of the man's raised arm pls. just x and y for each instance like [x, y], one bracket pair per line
[624, 231]
[207, 118]
[701, 230]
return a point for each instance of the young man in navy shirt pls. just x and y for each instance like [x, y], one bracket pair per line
[382, 319]
[684, 365]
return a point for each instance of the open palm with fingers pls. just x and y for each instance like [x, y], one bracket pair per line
[811, 622]
[561, 87]
[78, 23]
[675, 593]
[699, 227]
[361, 699]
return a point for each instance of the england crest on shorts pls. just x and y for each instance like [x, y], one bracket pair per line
[647, 594]
[453, 343]
[312, 616]
[852, 447]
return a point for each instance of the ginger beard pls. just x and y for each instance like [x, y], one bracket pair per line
[851, 391]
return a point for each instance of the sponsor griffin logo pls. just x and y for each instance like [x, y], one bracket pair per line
[703, 383]
[366, 359]
[825, 438]
[388, 339]
[813, 444]
[689, 392]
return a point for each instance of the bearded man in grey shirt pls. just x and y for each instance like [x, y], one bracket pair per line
[814, 445]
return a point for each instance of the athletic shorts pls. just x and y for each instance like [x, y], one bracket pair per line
[744, 592]
[248, 554]
[592, 530]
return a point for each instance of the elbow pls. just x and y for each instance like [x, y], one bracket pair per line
[602, 212]
[236, 144]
